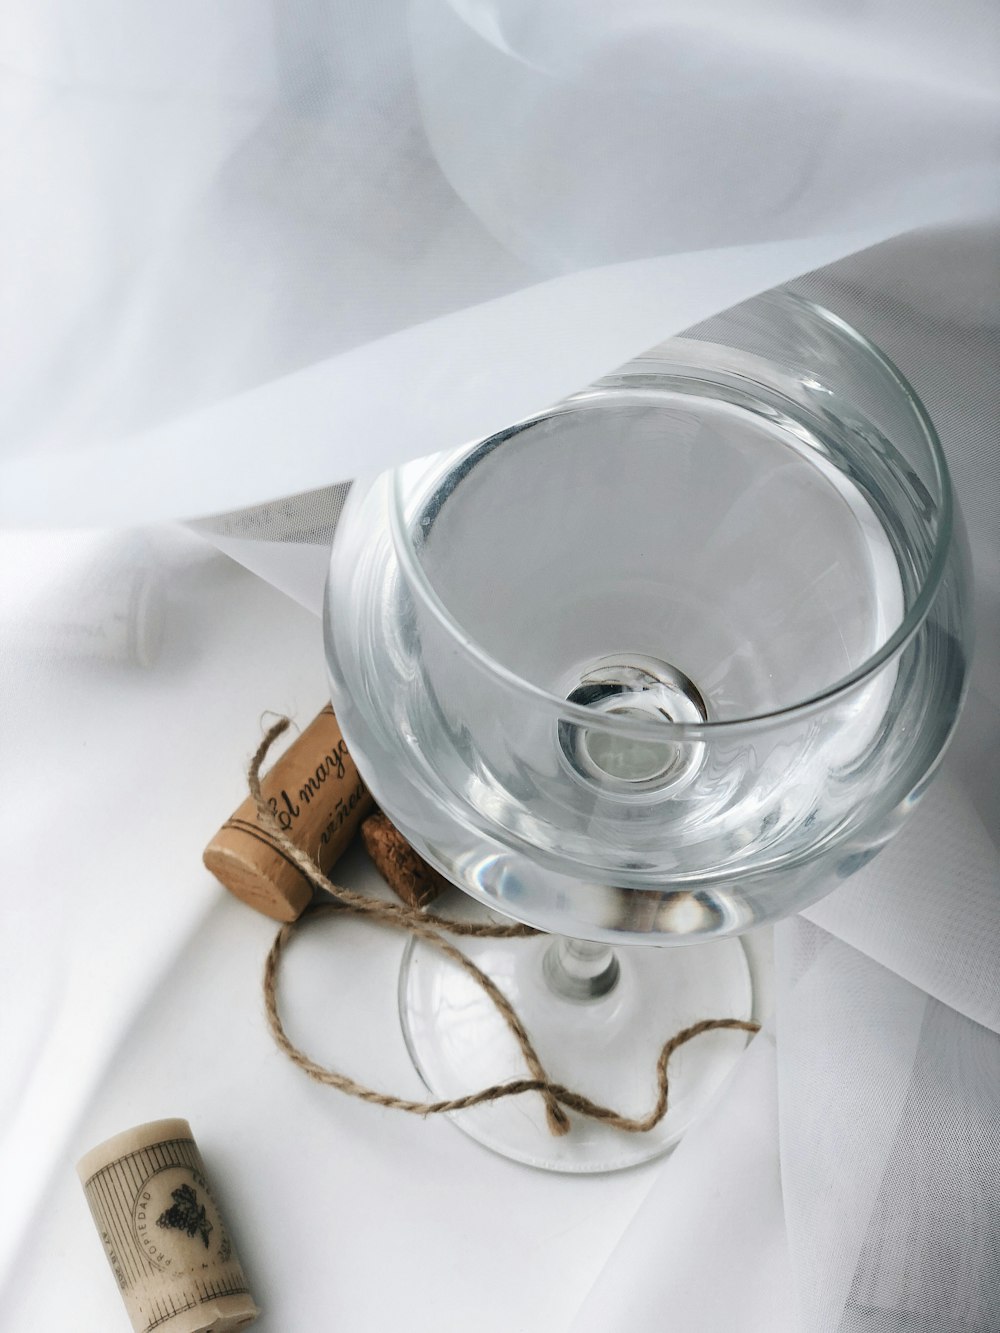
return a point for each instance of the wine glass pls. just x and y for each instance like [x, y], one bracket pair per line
[652, 667]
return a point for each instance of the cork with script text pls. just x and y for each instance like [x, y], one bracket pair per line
[319, 800]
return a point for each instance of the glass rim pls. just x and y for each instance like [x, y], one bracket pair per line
[656, 730]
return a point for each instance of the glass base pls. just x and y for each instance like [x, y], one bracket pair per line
[604, 1047]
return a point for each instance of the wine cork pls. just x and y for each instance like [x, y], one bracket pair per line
[106, 602]
[318, 799]
[407, 874]
[167, 1246]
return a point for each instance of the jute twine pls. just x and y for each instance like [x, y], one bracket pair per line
[556, 1096]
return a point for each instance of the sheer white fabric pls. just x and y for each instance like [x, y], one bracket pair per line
[890, 1146]
[307, 238]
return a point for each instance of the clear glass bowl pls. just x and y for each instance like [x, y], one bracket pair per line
[670, 658]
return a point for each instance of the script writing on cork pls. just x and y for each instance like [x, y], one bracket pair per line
[316, 795]
[333, 767]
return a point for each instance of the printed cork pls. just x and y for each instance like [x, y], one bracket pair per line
[318, 798]
[162, 1232]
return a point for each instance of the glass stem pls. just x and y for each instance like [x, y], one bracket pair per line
[579, 970]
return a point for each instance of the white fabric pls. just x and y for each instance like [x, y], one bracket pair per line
[708, 1249]
[251, 249]
[890, 1147]
[454, 378]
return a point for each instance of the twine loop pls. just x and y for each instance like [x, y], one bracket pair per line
[558, 1098]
